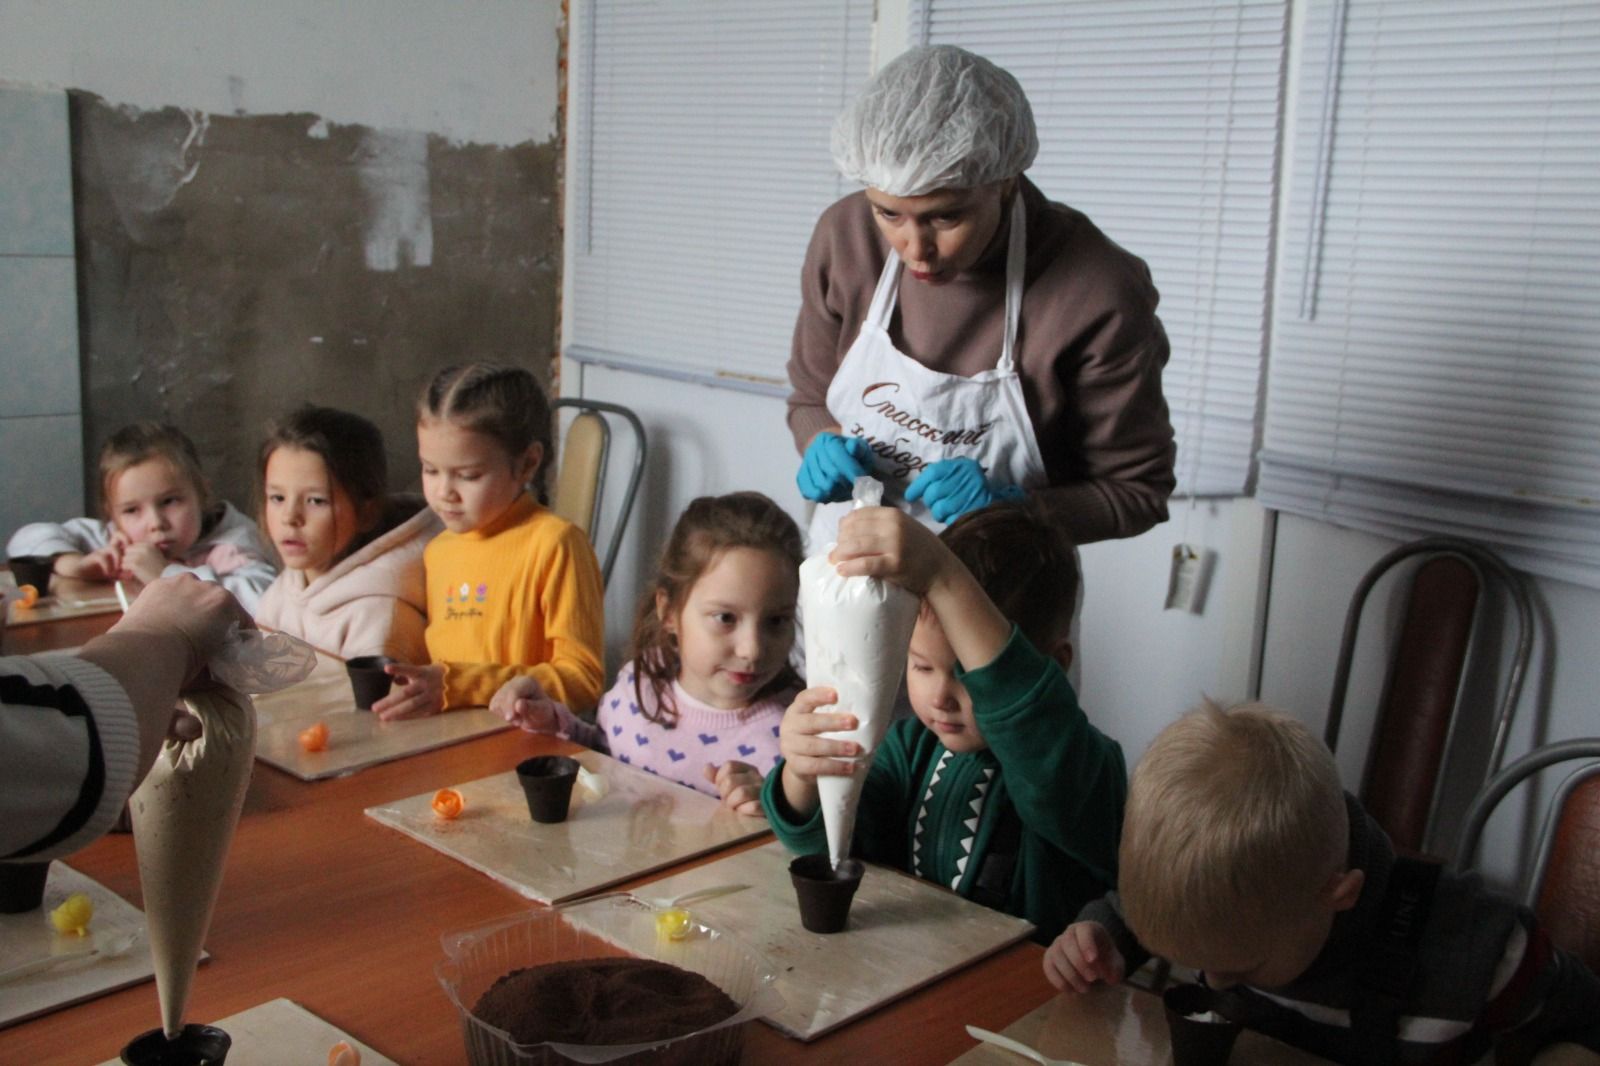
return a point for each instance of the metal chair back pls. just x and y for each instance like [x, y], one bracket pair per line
[585, 456]
[1563, 887]
[1417, 716]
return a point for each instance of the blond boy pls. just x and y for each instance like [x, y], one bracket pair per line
[1243, 857]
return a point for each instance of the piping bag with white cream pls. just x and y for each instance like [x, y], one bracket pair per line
[857, 632]
[185, 811]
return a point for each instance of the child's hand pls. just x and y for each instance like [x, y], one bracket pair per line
[421, 692]
[1082, 955]
[888, 543]
[739, 784]
[102, 565]
[144, 561]
[522, 702]
[804, 752]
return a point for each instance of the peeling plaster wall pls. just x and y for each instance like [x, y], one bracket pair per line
[468, 70]
[233, 267]
[300, 201]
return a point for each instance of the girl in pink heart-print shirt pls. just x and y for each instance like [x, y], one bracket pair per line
[708, 679]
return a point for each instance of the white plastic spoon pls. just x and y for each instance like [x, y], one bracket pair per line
[699, 895]
[1016, 1047]
[661, 903]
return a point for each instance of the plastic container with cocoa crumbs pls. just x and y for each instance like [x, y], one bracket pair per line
[607, 927]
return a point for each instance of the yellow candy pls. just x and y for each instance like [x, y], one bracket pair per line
[672, 924]
[72, 917]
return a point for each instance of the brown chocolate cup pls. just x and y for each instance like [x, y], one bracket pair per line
[547, 783]
[1196, 1042]
[196, 1045]
[32, 570]
[22, 886]
[823, 892]
[367, 679]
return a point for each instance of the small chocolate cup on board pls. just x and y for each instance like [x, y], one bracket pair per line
[368, 681]
[547, 782]
[22, 886]
[32, 570]
[825, 893]
[1197, 1040]
[196, 1045]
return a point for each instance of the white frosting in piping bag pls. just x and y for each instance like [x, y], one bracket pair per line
[857, 630]
[183, 820]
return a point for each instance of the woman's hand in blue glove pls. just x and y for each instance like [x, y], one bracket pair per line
[952, 487]
[831, 465]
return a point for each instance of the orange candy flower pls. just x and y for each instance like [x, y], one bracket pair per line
[314, 738]
[342, 1054]
[27, 596]
[448, 804]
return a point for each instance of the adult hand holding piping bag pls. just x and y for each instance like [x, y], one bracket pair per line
[1023, 355]
[82, 731]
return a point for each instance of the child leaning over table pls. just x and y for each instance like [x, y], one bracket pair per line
[1244, 858]
[999, 788]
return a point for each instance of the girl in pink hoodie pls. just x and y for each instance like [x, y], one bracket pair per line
[352, 581]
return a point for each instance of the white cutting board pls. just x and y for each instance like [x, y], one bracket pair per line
[30, 936]
[903, 933]
[1108, 1026]
[356, 739]
[641, 824]
[282, 1032]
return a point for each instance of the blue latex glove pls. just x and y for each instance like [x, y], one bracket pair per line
[831, 465]
[952, 487]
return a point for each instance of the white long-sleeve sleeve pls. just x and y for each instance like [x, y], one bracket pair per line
[69, 754]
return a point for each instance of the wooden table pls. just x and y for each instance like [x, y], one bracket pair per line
[323, 906]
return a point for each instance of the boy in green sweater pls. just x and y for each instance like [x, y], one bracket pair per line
[999, 788]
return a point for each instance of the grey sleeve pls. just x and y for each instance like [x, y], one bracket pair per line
[1107, 911]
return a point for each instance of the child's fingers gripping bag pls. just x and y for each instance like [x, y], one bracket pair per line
[857, 630]
[185, 811]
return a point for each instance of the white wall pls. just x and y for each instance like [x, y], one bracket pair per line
[471, 70]
[41, 415]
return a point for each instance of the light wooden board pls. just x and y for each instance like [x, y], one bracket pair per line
[282, 1031]
[71, 599]
[26, 937]
[641, 824]
[903, 933]
[356, 739]
[1120, 1026]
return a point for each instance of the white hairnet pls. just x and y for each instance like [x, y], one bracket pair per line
[935, 118]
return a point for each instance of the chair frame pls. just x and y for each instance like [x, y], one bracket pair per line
[1480, 561]
[1503, 782]
[631, 492]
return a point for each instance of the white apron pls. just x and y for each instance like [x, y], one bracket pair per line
[913, 416]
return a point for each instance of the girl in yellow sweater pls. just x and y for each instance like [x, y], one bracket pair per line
[513, 590]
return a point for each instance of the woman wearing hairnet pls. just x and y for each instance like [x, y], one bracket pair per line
[961, 336]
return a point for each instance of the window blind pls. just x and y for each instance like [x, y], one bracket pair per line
[701, 164]
[1160, 120]
[1436, 360]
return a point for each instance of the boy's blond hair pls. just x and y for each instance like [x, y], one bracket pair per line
[1235, 822]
